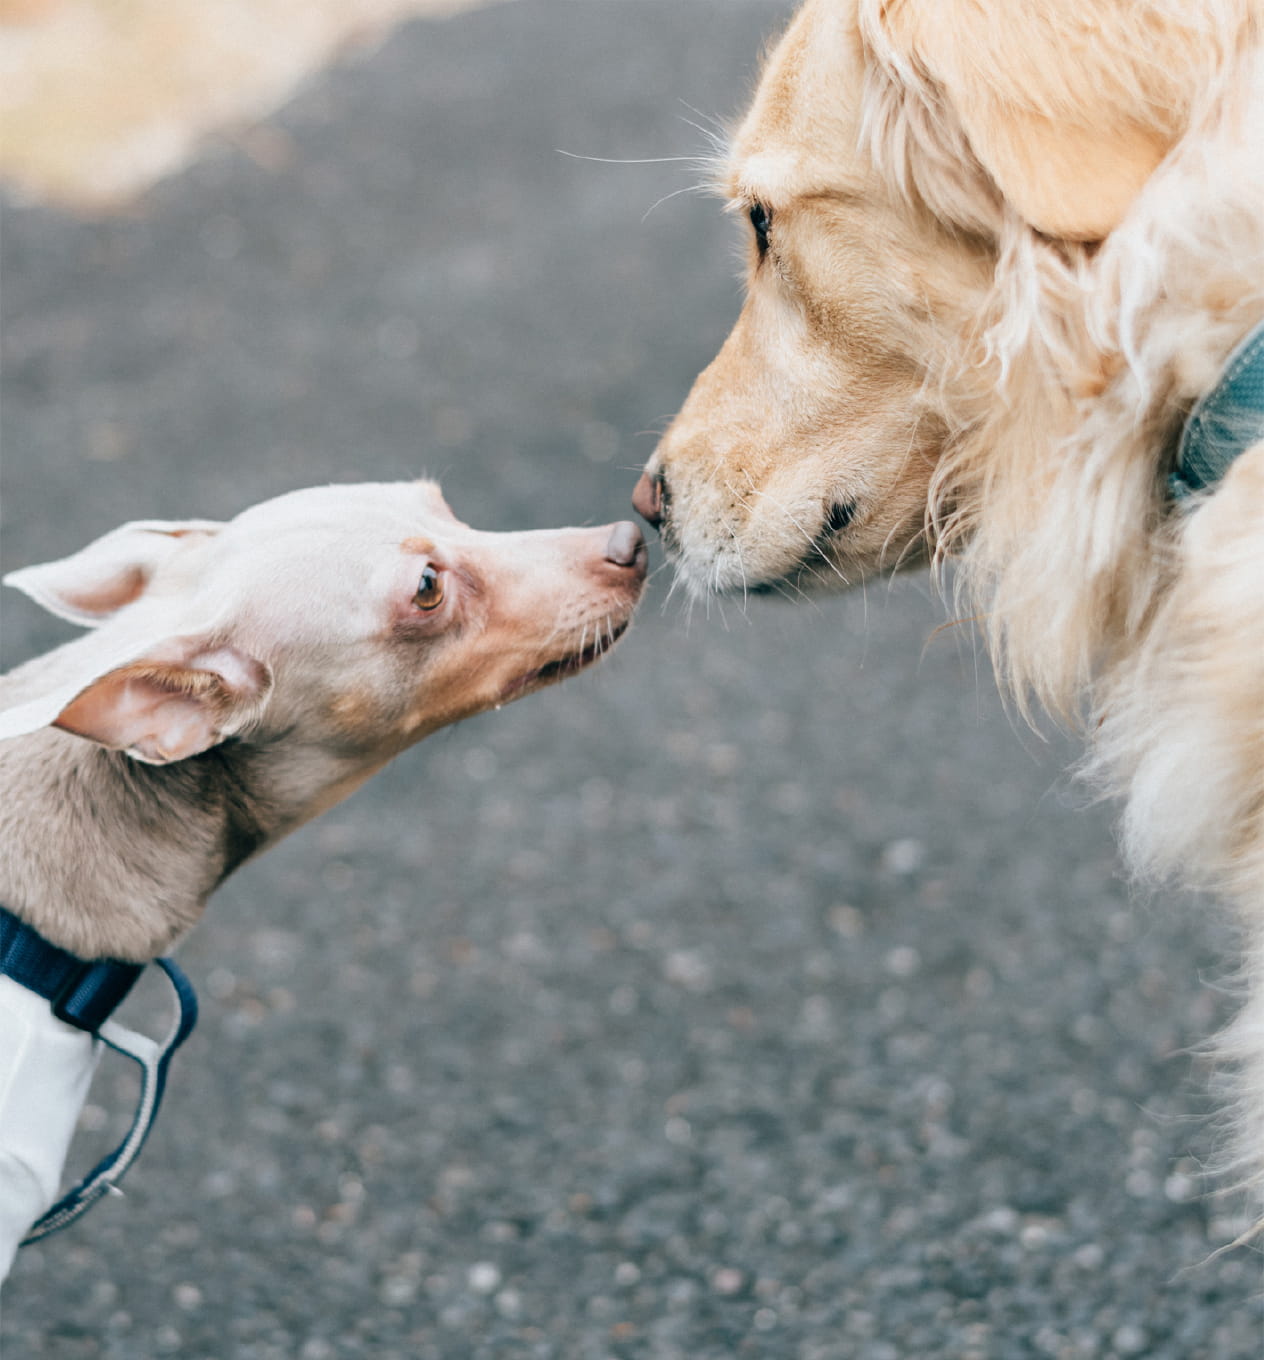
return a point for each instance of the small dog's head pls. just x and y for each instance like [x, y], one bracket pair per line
[352, 620]
[893, 155]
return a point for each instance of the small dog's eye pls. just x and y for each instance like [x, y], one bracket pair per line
[430, 590]
[761, 220]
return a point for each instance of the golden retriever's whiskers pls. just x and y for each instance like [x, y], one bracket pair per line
[741, 566]
[633, 160]
[664, 420]
[782, 587]
[675, 193]
[911, 543]
[691, 601]
[812, 539]
[719, 137]
[737, 495]
[677, 583]
[735, 546]
[736, 543]
[713, 473]
[794, 592]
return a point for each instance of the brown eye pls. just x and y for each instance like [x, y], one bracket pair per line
[429, 590]
[761, 221]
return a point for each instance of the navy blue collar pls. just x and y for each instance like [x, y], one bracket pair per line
[84, 995]
[1225, 422]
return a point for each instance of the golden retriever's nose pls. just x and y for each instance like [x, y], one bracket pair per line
[647, 498]
[626, 547]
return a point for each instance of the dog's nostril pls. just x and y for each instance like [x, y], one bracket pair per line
[840, 516]
[647, 498]
[626, 547]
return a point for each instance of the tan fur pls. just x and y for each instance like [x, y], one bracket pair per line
[1010, 246]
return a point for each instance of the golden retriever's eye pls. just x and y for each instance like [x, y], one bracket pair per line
[430, 589]
[761, 220]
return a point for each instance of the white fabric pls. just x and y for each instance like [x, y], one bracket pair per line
[46, 1067]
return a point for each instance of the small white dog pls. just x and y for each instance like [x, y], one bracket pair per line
[998, 254]
[240, 679]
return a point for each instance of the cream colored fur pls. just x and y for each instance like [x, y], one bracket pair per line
[239, 679]
[1010, 247]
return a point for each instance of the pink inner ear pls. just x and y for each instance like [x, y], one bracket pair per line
[93, 584]
[159, 714]
[243, 677]
[104, 597]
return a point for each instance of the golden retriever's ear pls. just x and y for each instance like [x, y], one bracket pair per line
[1069, 107]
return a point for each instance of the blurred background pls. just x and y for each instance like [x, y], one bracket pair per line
[767, 992]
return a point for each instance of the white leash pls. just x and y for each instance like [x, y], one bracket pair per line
[153, 1057]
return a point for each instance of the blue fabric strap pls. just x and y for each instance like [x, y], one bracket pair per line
[85, 995]
[1225, 422]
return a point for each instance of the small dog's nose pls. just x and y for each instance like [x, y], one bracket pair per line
[647, 498]
[626, 547]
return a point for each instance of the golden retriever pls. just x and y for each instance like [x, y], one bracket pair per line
[996, 255]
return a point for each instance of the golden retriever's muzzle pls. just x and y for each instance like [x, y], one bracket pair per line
[750, 538]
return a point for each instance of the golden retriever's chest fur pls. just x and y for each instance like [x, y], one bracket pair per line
[996, 253]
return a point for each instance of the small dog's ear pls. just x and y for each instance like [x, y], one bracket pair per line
[1068, 108]
[170, 704]
[94, 583]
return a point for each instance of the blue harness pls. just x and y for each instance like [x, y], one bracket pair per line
[1224, 423]
[85, 995]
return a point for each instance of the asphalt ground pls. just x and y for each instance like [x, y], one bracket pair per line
[768, 992]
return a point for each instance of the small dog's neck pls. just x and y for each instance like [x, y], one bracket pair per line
[109, 857]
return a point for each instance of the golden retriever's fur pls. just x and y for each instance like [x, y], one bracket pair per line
[997, 251]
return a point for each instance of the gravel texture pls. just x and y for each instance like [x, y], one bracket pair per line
[766, 993]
